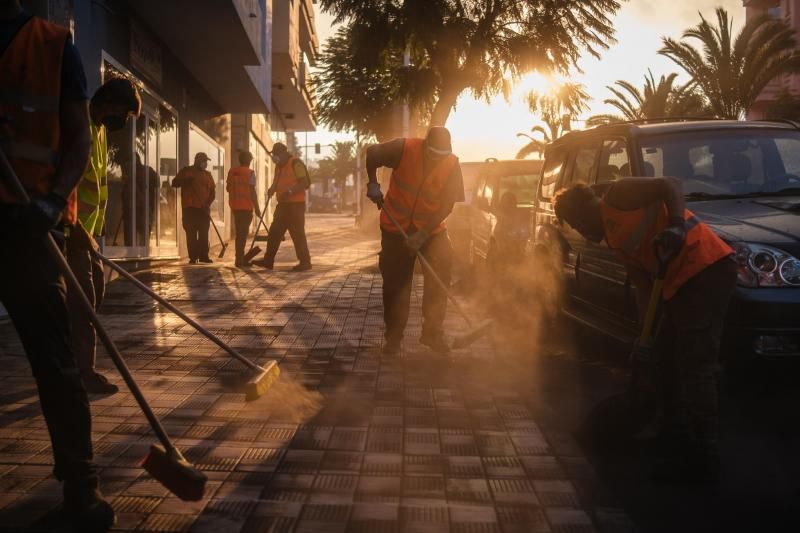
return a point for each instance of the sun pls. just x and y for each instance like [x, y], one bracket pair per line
[536, 82]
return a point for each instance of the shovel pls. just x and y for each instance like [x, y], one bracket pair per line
[165, 463]
[476, 332]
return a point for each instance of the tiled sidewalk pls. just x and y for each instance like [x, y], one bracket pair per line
[346, 441]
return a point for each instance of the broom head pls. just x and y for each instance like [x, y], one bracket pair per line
[462, 341]
[173, 471]
[260, 382]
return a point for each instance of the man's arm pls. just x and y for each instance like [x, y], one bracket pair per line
[181, 179]
[253, 193]
[75, 146]
[635, 193]
[386, 154]
[212, 189]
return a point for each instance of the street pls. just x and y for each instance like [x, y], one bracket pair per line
[349, 440]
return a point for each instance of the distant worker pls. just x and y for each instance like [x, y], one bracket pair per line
[633, 216]
[425, 184]
[109, 109]
[243, 200]
[290, 184]
[197, 194]
[44, 133]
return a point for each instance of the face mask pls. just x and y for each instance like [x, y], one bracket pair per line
[275, 159]
[203, 165]
[438, 153]
[114, 122]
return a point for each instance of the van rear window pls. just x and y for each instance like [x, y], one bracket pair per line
[553, 166]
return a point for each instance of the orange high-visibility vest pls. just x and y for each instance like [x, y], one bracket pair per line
[630, 234]
[199, 190]
[414, 198]
[286, 179]
[30, 94]
[239, 194]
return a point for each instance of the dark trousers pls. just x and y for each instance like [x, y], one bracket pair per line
[241, 222]
[33, 292]
[288, 216]
[196, 221]
[689, 336]
[88, 268]
[396, 263]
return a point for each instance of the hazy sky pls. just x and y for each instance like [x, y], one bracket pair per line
[482, 130]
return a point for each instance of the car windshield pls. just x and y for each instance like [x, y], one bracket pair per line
[523, 186]
[738, 162]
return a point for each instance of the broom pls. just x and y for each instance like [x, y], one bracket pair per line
[476, 332]
[219, 236]
[258, 383]
[165, 462]
[255, 250]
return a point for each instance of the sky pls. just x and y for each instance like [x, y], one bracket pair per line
[482, 129]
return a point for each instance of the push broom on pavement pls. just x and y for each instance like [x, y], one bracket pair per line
[475, 332]
[262, 378]
[165, 463]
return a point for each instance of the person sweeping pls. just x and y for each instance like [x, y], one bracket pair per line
[242, 198]
[426, 182]
[646, 223]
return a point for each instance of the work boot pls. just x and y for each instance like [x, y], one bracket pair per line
[264, 263]
[86, 507]
[97, 383]
[192, 261]
[301, 267]
[206, 260]
[392, 346]
[436, 341]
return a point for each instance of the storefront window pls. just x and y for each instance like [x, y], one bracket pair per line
[167, 169]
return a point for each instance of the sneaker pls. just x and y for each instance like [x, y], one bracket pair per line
[301, 267]
[97, 383]
[435, 341]
[206, 260]
[86, 507]
[392, 347]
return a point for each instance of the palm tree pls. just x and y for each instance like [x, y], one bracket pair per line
[655, 100]
[557, 108]
[732, 71]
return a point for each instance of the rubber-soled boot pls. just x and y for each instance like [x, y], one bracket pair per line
[392, 346]
[86, 507]
[436, 341]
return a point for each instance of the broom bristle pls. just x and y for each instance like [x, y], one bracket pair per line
[249, 256]
[176, 473]
[468, 338]
[262, 381]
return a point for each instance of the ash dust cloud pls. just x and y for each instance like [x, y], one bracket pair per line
[288, 400]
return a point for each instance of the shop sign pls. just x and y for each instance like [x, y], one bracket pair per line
[145, 54]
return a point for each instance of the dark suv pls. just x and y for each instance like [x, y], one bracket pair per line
[741, 178]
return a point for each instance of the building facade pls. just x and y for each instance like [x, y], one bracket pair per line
[788, 10]
[216, 76]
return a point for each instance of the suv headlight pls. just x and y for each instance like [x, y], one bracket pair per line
[765, 266]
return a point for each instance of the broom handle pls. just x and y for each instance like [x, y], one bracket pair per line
[75, 288]
[147, 290]
[258, 226]
[219, 236]
[429, 268]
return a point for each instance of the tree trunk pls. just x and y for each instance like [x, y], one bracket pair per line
[447, 100]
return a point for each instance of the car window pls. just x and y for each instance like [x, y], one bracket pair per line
[614, 161]
[585, 165]
[725, 162]
[522, 186]
[554, 164]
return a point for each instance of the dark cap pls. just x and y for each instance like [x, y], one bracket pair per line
[438, 138]
[201, 156]
[279, 148]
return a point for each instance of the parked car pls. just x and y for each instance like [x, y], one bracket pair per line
[741, 178]
[501, 209]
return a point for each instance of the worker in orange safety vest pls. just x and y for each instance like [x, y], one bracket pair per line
[645, 222]
[242, 198]
[44, 134]
[426, 182]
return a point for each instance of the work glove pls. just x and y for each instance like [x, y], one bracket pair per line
[271, 191]
[374, 193]
[416, 241]
[43, 213]
[670, 241]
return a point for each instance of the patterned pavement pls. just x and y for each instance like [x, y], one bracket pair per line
[346, 441]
